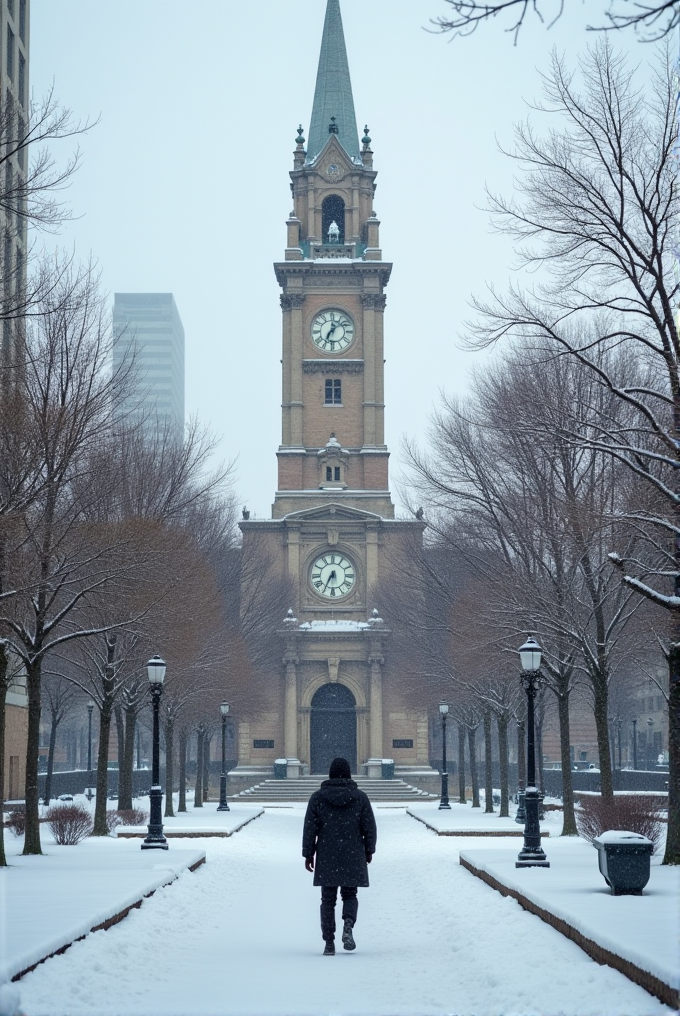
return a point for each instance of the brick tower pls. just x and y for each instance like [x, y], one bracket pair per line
[333, 530]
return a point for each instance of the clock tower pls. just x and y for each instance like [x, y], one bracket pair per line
[333, 532]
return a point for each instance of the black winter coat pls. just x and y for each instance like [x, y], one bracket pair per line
[340, 829]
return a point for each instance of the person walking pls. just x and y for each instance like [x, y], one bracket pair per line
[340, 833]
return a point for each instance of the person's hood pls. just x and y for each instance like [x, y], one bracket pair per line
[339, 793]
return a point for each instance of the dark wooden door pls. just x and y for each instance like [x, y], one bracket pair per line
[333, 728]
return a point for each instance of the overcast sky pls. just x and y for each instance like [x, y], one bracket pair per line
[184, 182]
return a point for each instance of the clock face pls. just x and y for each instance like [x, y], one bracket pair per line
[332, 331]
[333, 575]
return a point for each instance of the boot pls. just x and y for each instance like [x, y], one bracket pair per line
[330, 947]
[347, 937]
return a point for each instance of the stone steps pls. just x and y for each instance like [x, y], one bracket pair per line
[300, 790]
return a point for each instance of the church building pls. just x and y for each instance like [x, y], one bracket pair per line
[333, 530]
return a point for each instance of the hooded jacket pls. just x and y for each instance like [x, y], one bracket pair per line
[340, 830]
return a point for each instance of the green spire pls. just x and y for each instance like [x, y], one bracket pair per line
[333, 92]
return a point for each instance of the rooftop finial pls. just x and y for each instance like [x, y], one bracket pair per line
[300, 140]
[366, 141]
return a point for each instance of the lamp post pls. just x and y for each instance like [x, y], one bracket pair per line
[223, 806]
[634, 744]
[155, 839]
[618, 737]
[650, 751]
[90, 707]
[444, 800]
[532, 854]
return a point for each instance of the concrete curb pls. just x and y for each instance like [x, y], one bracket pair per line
[654, 985]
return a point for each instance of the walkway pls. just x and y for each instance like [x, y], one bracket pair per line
[239, 937]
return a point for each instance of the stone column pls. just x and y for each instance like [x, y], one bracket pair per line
[290, 746]
[376, 716]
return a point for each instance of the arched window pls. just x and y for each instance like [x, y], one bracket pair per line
[333, 210]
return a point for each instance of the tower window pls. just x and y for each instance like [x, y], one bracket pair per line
[329, 472]
[22, 79]
[336, 471]
[333, 210]
[22, 19]
[333, 391]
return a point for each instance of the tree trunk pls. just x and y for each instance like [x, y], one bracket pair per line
[32, 835]
[672, 854]
[102, 770]
[602, 727]
[488, 764]
[54, 723]
[120, 737]
[169, 760]
[569, 821]
[474, 775]
[461, 764]
[3, 717]
[521, 754]
[502, 722]
[125, 769]
[206, 766]
[182, 803]
[198, 789]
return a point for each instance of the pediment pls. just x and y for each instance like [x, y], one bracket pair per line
[332, 512]
[333, 155]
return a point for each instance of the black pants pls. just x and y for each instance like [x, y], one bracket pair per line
[350, 906]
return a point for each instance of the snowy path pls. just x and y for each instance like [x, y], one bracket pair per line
[240, 937]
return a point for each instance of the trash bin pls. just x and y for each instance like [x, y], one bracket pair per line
[280, 769]
[624, 860]
[388, 768]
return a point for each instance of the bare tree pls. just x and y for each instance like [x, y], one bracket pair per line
[595, 207]
[59, 695]
[653, 20]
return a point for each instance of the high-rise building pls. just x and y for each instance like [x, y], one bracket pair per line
[333, 529]
[14, 49]
[14, 100]
[148, 333]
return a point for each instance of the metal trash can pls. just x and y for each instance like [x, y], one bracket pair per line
[280, 769]
[388, 768]
[624, 860]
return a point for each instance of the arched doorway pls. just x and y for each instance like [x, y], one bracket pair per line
[333, 727]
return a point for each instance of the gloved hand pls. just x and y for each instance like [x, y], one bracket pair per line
[309, 863]
[369, 858]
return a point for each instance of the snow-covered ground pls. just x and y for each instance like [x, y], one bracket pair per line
[196, 821]
[48, 901]
[240, 937]
[464, 818]
[643, 929]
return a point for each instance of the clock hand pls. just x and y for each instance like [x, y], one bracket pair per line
[331, 576]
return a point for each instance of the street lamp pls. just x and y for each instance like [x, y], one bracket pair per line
[90, 707]
[634, 744]
[155, 839]
[223, 806]
[650, 750]
[532, 854]
[444, 800]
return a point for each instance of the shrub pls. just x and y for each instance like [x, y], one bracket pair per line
[69, 823]
[134, 816]
[17, 822]
[630, 812]
[125, 816]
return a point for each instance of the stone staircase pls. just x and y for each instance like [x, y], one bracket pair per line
[291, 791]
